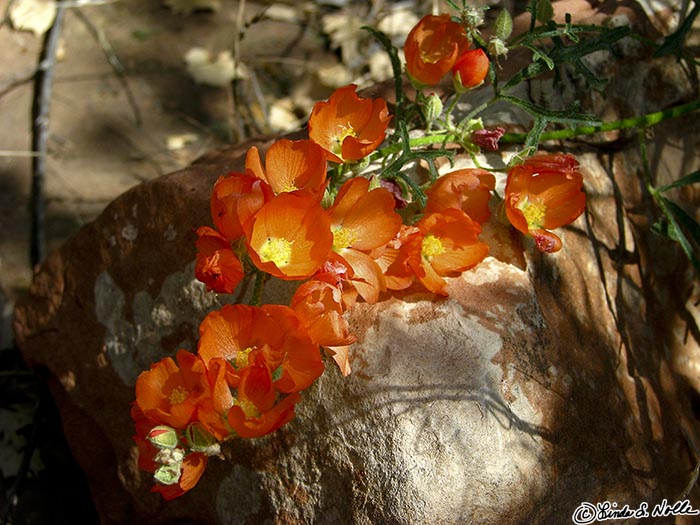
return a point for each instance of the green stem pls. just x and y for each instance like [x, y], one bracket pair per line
[644, 121]
[260, 278]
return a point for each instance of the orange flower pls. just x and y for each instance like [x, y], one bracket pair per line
[349, 127]
[290, 237]
[470, 70]
[235, 331]
[361, 221]
[432, 47]
[216, 266]
[171, 393]
[290, 166]
[318, 305]
[446, 245]
[192, 468]
[393, 259]
[543, 193]
[466, 189]
[256, 411]
[235, 199]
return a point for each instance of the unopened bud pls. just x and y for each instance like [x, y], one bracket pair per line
[168, 474]
[497, 47]
[432, 109]
[503, 26]
[199, 440]
[470, 70]
[473, 16]
[163, 436]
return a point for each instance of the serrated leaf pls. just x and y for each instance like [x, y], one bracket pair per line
[570, 116]
[539, 55]
[691, 178]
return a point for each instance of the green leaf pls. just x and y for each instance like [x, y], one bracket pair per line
[676, 217]
[691, 178]
[539, 55]
[685, 220]
[544, 12]
[561, 54]
[533, 137]
[395, 66]
[568, 116]
[673, 43]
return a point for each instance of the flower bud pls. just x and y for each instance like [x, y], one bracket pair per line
[432, 109]
[163, 437]
[470, 70]
[199, 440]
[497, 47]
[168, 474]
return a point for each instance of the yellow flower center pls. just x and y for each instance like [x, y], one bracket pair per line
[337, 146]
[277, 250]
[342, 238]
[249, 409]
[242, 357]
[533, 212]
[178, 395]
[431, 246]
[290, 188]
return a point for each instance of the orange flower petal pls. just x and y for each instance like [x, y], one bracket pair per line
[290, 237]
[348, 127]
[250, 427]
[291, 166]
[367, 218]
[466, 189]
[318, 305]
[235, 199]
[432, 47]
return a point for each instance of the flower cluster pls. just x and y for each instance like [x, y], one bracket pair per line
[308, 212]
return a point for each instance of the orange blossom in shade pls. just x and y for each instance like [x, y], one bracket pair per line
[216, 266]
[361, 221]
[447, 244]
[432, 47]
[290, 166]
[318, 305]
[235, 199]
[236, 331]
[470, 70]
[172, 393]
[543, 193]
[349, 127]
[256, 411]
[191, 470]
[290, 237]
[467, 189]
